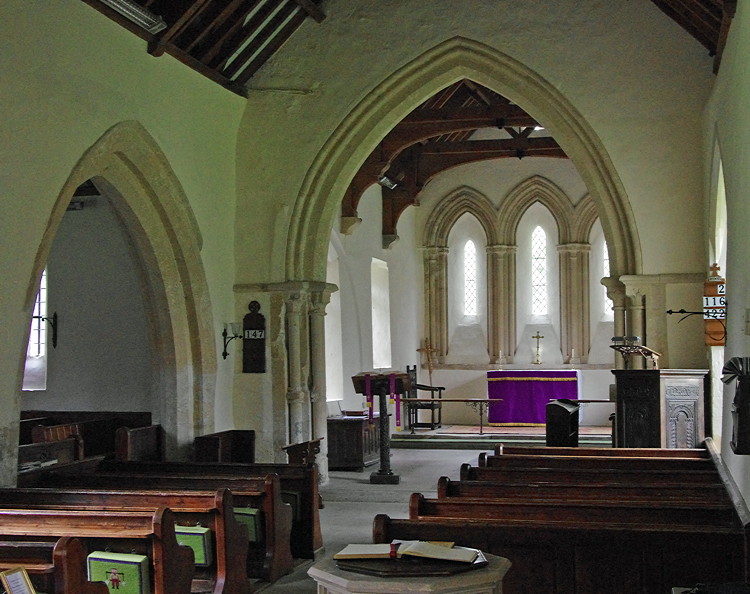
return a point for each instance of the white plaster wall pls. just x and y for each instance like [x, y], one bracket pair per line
[103, 358]
[61, 92]
[404, 267]
[727, 124]
[630, 71]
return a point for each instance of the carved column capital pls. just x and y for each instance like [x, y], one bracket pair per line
[501, 250]
[574, 249]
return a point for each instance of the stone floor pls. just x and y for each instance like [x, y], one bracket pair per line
[351, 503]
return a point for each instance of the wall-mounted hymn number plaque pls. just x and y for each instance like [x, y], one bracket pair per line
[715, 308]
[254, 340]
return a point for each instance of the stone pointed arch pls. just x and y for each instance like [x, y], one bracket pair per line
[463, 200]
[127, 165]
[325, 183]
[584, 218]
[459, 202]
[535, 189]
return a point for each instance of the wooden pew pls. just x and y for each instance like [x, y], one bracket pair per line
[564, 557]
[299, 486]
[694, 515]
[602, 542]
[35, 455]
[586, 451]
[140, 443]
[55, 567]
[592, 462]
[146, 532]
[586, 475]
[583, 491]
[26, 425]
[94, 437]
[269, 559]
[212, 509]
[233, 445]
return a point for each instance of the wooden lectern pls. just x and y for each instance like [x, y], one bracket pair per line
[382, 384]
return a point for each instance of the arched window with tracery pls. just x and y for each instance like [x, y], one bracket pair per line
[539, 300]
[470, 279]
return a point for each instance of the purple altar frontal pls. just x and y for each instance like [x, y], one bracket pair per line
[524, 394]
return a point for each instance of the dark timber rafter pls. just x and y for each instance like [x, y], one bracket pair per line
[436, 137]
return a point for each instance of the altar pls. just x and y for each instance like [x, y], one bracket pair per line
[523, 394]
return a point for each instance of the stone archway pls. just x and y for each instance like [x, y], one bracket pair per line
[325, 183]
[128, 165]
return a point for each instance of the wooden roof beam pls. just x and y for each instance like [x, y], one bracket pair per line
[312, 10]
[730, 7]
[159, 43]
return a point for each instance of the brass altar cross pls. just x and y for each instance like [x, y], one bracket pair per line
[537, 360]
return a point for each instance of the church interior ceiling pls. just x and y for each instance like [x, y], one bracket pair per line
[228, 41]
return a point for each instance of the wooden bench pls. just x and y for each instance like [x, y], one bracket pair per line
[303, 452]
[564, 557]
[212, 509]
[233, 445]
[695, 515]
[299, 486]
[26, 425]
[55, 567]
[586, 475]
[36, 455]
[145, 532]
[140, 443]
[592, 462]
[585, 490]
[500, 449]
[94, 437]
[604, 542]
[268, 559]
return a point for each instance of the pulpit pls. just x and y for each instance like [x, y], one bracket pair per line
[660, 408]
[382, 384]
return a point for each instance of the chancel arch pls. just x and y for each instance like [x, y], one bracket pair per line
[130, 170]
[317, 205]
[326, 181]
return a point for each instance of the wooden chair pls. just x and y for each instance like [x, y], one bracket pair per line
[434, 405]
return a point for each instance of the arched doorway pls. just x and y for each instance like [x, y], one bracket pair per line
[128, 167]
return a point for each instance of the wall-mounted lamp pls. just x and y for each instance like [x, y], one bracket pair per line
[387, 182]
[137, 14]
[53, 324]
[236, 332]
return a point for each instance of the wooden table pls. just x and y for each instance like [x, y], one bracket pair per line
[487, 580]
[475, 403]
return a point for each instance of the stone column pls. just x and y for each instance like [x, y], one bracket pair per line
[501, 302]
[436, 299]
[616, 292]
[574, 299]
[297, 391]
[319, 301]
[647, 295]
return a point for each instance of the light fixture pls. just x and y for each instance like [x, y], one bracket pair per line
[52, 320]
[236, 329]
[387, 182]
[137, 14]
